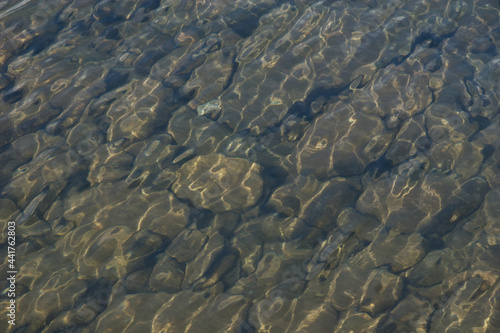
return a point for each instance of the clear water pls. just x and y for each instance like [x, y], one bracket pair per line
[251, 166]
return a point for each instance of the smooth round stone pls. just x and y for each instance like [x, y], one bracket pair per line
[219, 183]
[138, 280]
[435, 83]
[364, 226]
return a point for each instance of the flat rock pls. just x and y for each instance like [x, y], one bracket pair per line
[342, 142]
[381, 292]
[196, 268]
[400, 251]
[219, 183]
[316, 203]
[167, 275]
[186, 245]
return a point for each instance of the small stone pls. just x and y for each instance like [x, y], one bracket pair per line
[211, 108]
[436, 83]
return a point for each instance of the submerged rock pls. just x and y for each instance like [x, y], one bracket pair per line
[219, 183]
[341, 142]
[316, 203]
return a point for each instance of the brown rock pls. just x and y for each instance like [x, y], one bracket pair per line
[219, 183]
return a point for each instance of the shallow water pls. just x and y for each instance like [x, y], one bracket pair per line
[251, 166]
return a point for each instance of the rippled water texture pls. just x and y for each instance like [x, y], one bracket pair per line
[251, 165]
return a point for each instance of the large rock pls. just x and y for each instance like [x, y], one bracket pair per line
[316, 203]
[219, 183]
[342, 142]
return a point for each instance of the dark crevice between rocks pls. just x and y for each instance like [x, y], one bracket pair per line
[147, 60]
[150, 5]
[13, 96]
[272, 178]
[245, 21]
[303, 109]
[487, 151]
[98, 293]
[83, 27]
[433, 244]
[6, 80]
[201, 217]
[112, 33]
[43, 41]
[107, 17]
[435, 41]
[115, 79]
[234, 69]
[227, 252]
[482, 123]
[379, 167]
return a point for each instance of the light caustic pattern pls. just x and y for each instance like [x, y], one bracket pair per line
[251, 166]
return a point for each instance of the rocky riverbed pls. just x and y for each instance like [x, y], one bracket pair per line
[251, 166]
